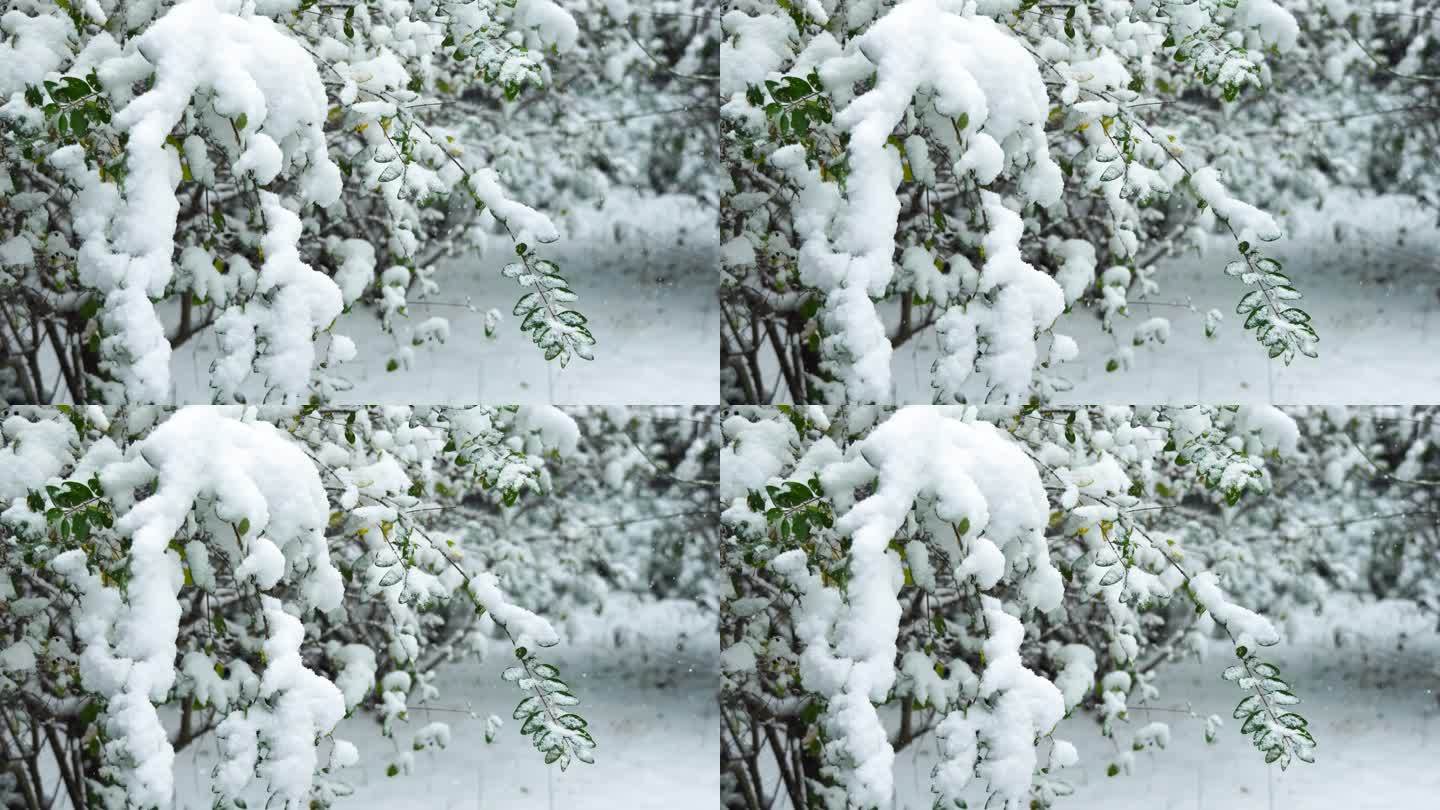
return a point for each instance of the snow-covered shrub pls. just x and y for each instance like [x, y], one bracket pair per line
[255, 575]
[631, 511]
[1351, 105]
[975, 574]
[633, 105]
[1356, 510]
[248, 171]
[976, 168]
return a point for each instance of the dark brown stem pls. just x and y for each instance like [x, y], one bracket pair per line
[62, 761]
[792, 377]
[782, 761]
[74, 381]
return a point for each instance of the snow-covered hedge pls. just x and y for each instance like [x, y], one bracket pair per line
[978, 167]
[1352, 105]
[632, 106]
[255, 575]
[975, 574]
[631, 511]
[248, 170]
[1356, 509]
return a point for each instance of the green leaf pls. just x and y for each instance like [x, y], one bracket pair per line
[1250, 302]
[799, 123]
[1291, 720]
[1253, 723]
[75, 89]
[393, 171]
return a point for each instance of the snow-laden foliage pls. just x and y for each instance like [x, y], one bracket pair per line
[256, 575]
[977, 168]
[632, 105]
[632, 511]
[1351, 105]
[247, 171]
[1356, 510]
[976, 574]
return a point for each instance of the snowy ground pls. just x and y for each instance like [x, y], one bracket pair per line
[1374, 296]
[645, 271]
[647, 687]
[1371, 702]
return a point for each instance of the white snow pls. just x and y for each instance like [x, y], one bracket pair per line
[650, 703]
[1249, 222]
[244, 474]
[973, 473]
[1274, 23]
[1248, 627]
[33, 46]
[1372, 295]
[739, 657]
[984, 157]
[552, 25]
[1370, 703]
[975, 68]
[555, 427]
[754, 453]
[644, 270]
[34, 452]
[525, 628]
[303, 706]
[251, 68]
[1024, 706]
[16, 251]
[1027, 303]
[754, 46]
[1275, 428]
[265, 564]
[18, 657]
